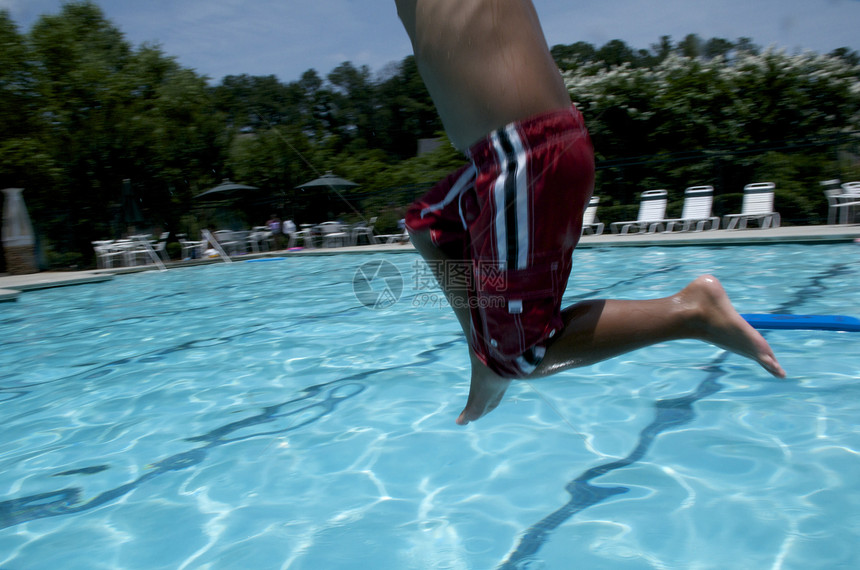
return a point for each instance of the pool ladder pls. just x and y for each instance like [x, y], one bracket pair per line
[207, 235]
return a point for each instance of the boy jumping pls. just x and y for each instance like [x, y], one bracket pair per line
[514, 212]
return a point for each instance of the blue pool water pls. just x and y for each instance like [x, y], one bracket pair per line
[257, 415]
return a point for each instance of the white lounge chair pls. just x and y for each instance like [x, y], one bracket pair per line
[651, 217]
[698, 201]
[841, 199]
[758, 205]
[590, 223]
[851, 187]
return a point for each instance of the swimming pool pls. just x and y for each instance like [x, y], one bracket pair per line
[257, 415]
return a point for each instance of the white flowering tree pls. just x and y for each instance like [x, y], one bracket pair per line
[752, 117]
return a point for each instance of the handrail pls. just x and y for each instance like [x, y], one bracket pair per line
[148, 247]
[211, 239]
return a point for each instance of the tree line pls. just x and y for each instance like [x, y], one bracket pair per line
[82, 111]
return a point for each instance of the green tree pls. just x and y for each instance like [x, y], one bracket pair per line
[353, 106]
[691, 121]
[747, 46]
[717, 47]
[78, 53]
[615, 53]
[257, 102]
[690, 46]
[849, 56]
[107, 113]
[662, 49]
[573, 56]
[24, 161]
[351, 123]
[276, 160]
[406, 112]
[17, 101]
[175, 139]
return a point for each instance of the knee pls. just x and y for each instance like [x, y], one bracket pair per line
[422, 240]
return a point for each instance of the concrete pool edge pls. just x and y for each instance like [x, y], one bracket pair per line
[795, 235]
[12, 285]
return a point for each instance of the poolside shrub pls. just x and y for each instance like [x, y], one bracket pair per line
[617, 213]
[69, 260]
[174, 250]
[725, 204]
[386, 222]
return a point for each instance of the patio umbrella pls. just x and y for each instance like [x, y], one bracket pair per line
[330, 181]
[225, 190]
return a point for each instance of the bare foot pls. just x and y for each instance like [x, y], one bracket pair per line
[596, 330]
[720, 324]
[485, 393]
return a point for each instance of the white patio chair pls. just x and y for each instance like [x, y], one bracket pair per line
[260, 239]
[306, 235]
[243, 242]
[133, 251]
[698, 201]
[191, 249]
[160, 246]
[401, 238]
[228, 240]
[363, 229]
[758, 205]
[106, 255]
[590, 223]
[333, 234]
[651, 217]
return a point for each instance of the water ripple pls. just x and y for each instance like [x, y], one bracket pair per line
[670, 413]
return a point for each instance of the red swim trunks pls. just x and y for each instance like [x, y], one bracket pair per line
[513, 216]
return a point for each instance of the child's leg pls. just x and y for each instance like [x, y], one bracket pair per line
[486, 388]
[435, 257]
[597, 330]
[601, 329]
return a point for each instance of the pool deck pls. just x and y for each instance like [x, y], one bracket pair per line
[13, 285]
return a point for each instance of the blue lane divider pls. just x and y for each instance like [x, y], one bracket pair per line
[804, 322]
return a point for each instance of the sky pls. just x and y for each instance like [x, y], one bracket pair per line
[287, 37]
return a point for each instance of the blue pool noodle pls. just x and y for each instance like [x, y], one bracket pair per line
[804, 322]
